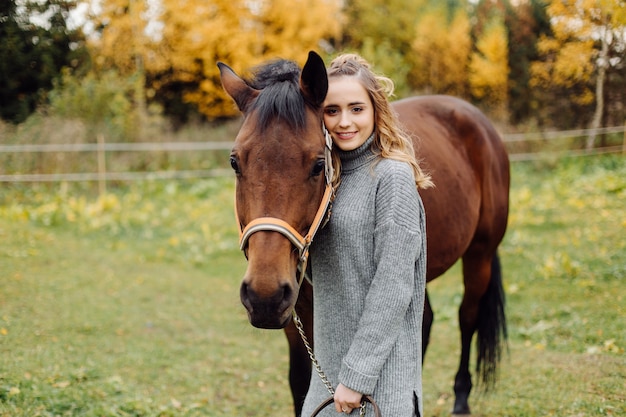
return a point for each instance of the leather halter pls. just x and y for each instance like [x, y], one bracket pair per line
[273, 224]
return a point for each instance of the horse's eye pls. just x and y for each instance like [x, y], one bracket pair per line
[234, 165]
[318, 167]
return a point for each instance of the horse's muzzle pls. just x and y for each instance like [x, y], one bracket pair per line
[270, 311]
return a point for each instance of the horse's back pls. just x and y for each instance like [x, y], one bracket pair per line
[462, 151]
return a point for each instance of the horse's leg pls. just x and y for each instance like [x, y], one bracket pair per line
[299, 361]
[298, 368]
[476, 275]
[427, 323]
[481, 310]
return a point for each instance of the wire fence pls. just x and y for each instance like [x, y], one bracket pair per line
[118, 147]
[515, 138]
[103, 175]
[117, 176]
[522, 137]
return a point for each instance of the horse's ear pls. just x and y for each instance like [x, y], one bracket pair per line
[237, 88]
[314, 80]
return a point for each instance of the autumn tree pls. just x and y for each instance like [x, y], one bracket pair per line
[489, 68]
[526, 21]
[588, 42]
[177, 45]
[123, 46]
[121, 41]
[196, 34]
[440, 52]
[289, 28]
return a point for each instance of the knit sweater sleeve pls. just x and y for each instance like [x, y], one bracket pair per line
[398, 243]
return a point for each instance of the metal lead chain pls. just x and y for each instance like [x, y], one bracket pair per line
[316, 364]
[309, 349]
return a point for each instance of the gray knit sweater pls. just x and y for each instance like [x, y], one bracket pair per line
[368, 273]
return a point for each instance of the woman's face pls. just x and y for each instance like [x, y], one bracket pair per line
[348, 112]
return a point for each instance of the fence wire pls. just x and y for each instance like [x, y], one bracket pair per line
[103, 148]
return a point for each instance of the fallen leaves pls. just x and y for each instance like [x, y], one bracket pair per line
[607, 346]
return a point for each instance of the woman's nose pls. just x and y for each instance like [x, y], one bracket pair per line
[345, 120]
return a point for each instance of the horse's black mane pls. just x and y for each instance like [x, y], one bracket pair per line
[280, 98]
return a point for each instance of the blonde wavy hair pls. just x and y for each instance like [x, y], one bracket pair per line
[390, 140]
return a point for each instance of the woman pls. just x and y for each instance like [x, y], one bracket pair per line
[369, 262]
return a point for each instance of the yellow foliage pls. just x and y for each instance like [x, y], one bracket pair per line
[123, 39]
[489, 68]
[568, 58]
[438, 72]
[573, 63]
[195, 34]
[289, 34]
[241, 33]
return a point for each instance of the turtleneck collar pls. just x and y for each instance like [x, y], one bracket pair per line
[355, 158]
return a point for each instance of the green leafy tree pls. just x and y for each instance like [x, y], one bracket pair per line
[385, 59]
[383, 32]
[32, 56]
[380, 20]
[103, 102]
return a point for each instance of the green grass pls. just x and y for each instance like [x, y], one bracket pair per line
[564, 260]
[127, 304]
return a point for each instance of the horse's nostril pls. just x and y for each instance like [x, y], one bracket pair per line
[287, 292]
[244, 294]
[282, 293]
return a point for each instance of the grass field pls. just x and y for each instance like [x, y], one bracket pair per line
[127, 304]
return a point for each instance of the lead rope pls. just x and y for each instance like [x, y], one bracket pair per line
[314, 361]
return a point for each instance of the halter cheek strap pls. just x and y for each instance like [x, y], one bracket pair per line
[329, 170]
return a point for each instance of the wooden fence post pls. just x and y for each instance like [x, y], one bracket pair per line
[102, 171]
[624, 141]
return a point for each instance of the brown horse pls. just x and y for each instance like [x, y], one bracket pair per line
[279, 159]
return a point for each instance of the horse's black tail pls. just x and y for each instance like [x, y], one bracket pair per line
[491, 327]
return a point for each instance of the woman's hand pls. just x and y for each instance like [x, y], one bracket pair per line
[346, 399]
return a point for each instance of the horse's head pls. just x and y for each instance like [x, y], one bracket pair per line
[279, 157]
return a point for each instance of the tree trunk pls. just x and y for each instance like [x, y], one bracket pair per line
[603, 62]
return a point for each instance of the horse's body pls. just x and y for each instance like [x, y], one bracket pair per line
[466, 218]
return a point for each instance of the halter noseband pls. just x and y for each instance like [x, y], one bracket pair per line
[272, 224]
